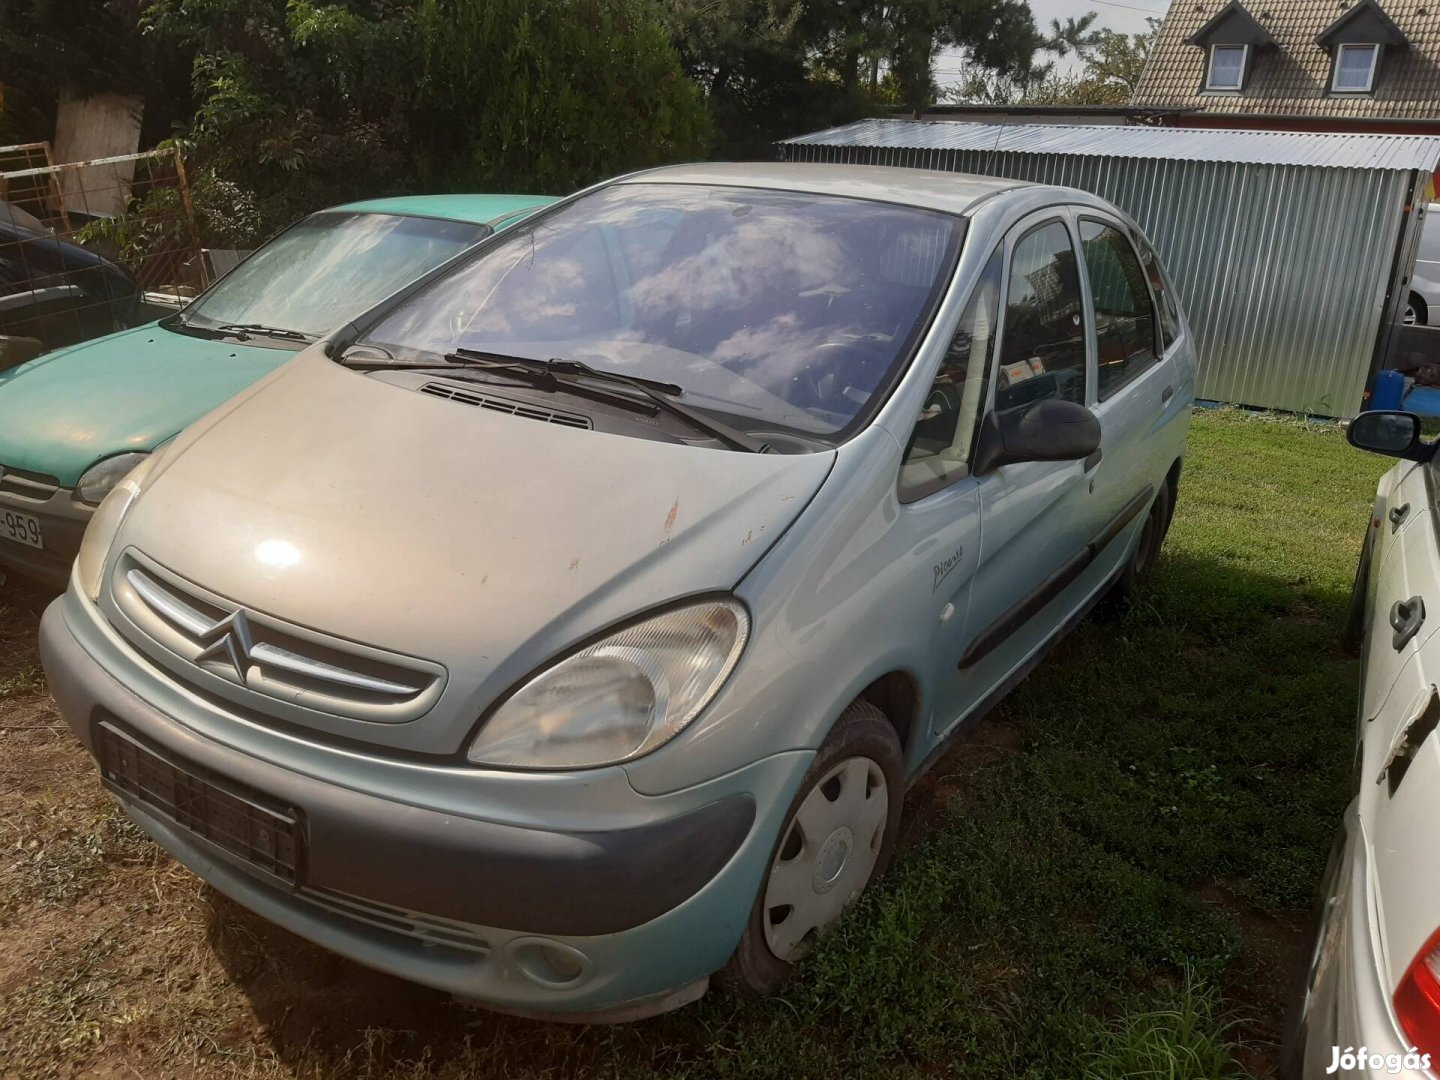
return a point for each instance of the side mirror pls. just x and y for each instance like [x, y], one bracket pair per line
[1395, 434]
[1050, 429]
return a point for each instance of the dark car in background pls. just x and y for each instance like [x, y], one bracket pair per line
[57, 291]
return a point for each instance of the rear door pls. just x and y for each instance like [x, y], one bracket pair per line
[1133, 378]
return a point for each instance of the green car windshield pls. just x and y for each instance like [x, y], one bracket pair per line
[328, 268]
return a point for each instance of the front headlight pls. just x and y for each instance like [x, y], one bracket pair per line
[100, 479]
[621, 696]
[104, 524]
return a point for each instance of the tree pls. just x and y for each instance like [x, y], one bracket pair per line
[1073, 35]
[552, 95]
[54, 47]
[1116, 60]
[1111, 63]
[307, 103]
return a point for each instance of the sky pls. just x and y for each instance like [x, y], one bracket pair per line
[1125, 16]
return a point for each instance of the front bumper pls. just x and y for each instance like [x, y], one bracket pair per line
[642, 903]
[62, 524]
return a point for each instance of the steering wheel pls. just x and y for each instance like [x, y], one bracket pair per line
[828, 377]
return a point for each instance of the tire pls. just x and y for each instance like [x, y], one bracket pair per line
[1143, 559]
[1416, 312]
[1352, 630]
[861, 749]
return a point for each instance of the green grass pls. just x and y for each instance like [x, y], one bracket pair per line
[1114, 897]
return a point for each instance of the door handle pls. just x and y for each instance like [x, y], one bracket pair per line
[1093, 460]
[1397, 515]
[1405, 619]
[1166, 395]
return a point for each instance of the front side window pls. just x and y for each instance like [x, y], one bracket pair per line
[329, 268]
[1124, 316]
[776, 311]
[1227, 67]
[1042, 349]
[940, 445]
[1354, 68]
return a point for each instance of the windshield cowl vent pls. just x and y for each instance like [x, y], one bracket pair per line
[498, 404]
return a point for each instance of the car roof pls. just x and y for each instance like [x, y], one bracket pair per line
[481, 209]
[951, 192]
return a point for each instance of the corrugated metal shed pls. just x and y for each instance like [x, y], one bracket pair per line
[1283, 245]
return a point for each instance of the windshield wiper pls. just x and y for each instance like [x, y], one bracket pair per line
[239, 331]
[561, 375]
[660, 393]
[244, 330]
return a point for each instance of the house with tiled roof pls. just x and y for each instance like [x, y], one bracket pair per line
[1299, 65]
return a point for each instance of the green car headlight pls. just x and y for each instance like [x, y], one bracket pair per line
[100, 533]
[100, 479]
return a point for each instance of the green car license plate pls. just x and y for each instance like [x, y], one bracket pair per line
[22, 528]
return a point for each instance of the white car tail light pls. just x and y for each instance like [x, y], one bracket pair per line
[1417, 999]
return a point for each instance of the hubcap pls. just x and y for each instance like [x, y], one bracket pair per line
[827, 856]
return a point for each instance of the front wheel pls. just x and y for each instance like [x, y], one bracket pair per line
[837, 838]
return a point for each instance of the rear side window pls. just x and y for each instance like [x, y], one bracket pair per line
[1124, 316]
[944, 434]
[1164, 295]
[1042, 351]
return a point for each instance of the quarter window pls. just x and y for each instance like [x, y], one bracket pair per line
[1354, 68]
[1164, 295]
[940, 445]
[1124, 316]
[1227, 67]
[1042, 350]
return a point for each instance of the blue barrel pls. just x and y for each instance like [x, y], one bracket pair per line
[1387, 391]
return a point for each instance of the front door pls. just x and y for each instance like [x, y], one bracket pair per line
[1038, 517]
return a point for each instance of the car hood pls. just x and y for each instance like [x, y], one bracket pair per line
[64, 411]
[479, 541]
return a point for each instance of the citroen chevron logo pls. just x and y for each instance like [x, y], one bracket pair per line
[229, 641]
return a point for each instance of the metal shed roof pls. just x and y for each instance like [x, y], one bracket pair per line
[1343, 151]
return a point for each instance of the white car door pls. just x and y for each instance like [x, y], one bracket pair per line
[1399, 800]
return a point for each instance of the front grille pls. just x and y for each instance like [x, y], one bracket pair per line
[234, 818]
[430, 929]
[265, 656]
[27, 485]
[497, 404]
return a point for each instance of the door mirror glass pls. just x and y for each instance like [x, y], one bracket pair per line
[1396, 434]
[1048, 430]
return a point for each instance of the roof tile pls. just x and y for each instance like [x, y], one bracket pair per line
[1292, 79]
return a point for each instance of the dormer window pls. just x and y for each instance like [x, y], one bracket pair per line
[1227, 67]
[1355, 69]
[1356, 42]
[1230, 40]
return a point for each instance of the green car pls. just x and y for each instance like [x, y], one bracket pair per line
[75, 421]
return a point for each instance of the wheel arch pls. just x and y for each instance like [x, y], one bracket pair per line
[897, 695]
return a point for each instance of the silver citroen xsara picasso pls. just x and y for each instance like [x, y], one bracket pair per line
[565, 632]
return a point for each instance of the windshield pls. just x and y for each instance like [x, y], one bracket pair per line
[780, 310]
[329, 268]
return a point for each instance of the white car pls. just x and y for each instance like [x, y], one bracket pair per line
[1370, 1004]
[1422, 306]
